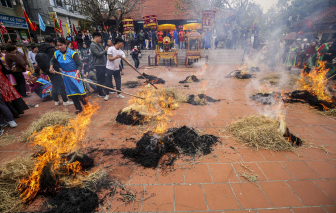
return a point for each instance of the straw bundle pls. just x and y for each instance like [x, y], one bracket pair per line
[50, 118]
[260, 132]
[331, 113]
[6, 139]
[10, 175]
[274, 79]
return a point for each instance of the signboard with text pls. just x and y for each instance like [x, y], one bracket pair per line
[11, 21]
[208, 17]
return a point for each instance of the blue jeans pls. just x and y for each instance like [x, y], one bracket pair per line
[182, 45]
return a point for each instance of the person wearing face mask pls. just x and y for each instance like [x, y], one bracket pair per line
[70, 64]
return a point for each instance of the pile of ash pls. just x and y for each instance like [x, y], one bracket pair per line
[131, 84]
[254, 69]
[200, 99]
[266, 98]
[190, 79]
[132, 118]
[151, 148]
[239, 74]
[153, 79]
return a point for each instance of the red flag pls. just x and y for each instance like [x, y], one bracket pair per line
[32, 25]
[74, 29]
[3, 29]
[254, 23]
[309, 24]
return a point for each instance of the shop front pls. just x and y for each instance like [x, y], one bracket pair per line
[16, 28]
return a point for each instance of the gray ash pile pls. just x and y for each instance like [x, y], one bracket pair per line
[152, 147]
[239, 74]
[190, 79]
[201, 99]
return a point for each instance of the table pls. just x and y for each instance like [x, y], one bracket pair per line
[166, 55]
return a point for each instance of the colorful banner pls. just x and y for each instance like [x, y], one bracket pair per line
[150, 21]
[2, 28]
[31, 24]
[208, 17]
[128, 25]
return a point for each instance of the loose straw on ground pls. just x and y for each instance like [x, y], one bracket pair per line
[139, 73]
[98, 85]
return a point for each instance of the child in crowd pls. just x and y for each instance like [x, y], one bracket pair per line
[41, 87]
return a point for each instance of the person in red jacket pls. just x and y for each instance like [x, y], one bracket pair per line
[182, 39]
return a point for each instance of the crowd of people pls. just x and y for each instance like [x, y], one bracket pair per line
[40, 72]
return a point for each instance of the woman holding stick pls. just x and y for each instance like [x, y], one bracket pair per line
[70, 64]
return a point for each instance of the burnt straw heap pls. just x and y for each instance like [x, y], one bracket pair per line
[163, 149]
[152, 79]
[190, 79]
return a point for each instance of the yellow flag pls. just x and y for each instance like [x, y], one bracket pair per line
[66, 25]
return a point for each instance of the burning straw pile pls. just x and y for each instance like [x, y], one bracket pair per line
[239, 74]
[155, 149]
[263, 132]
[50, 118]
[190, 79]
[201, 99]
[153, 79]
[156, 103]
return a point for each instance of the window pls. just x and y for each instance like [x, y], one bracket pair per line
[6, 3]
[59, 3]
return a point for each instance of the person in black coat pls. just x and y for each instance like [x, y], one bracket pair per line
[79, 40]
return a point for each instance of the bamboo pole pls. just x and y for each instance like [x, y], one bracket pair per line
[30, 38]
[129, 64]
[98, 85]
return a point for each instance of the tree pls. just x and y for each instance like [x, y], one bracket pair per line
[101, 10]
[85, 25]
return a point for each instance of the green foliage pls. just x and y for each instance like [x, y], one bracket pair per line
[85, 24]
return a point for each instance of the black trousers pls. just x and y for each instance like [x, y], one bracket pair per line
[136, 62]
[117, 79]
[77, 99]
[101, 75]
[5, 113]
[58, 87]
[20, 83]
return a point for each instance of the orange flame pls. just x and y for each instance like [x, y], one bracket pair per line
[57, 140]
[315, 82]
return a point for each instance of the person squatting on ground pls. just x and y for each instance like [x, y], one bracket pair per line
[41, 87]
[70, 64]
[112, 66]
[99, 61]
[135, 56]
[43, 57]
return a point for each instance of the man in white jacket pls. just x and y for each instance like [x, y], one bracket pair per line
[32, 54]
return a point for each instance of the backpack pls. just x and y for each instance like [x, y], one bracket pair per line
[43, 61]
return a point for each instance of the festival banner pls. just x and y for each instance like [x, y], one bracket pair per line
[208, 17]
[150, 21]
[128, 25]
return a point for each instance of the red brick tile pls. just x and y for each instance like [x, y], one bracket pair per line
[310, 193]
[166, 177]
[210, 158]
[309, 210]
[275, 211]
[220, 196]
[328, 186]
[198, 173]
[323, 168]
[280, 194]
[300, 130]
[203, 123]
[242, 211]
[330, 209]
[317, 154]
[227, 155]
[270, 155]
[252, 166]
[107, 134]
[300, 170]
[219, 123]
[326, 139]
[163, 199]
[250, 155]
[8, 156]
[131, 206]
[250, 195]
[274, 171]
[313, 121]
[297, 155]
[142, 175]
[112, 159]
[318, 130]
[189, 197]
[121, 173]
[332, 162]
[223, 173]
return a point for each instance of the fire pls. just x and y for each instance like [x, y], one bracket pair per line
[315, 82]
[57, 141]
[157, 103]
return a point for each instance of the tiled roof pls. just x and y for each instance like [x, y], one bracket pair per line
[327, 16]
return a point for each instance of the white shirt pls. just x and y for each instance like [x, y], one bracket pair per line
[114, 65]
[31, 56]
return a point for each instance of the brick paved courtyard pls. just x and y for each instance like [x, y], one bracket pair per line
[302, 182]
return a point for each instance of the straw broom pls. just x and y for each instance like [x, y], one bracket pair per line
[98, 85]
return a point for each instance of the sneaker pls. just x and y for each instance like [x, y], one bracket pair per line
[57, 103]
[122, 73]
[101, 96]
[12, 124]
[112, 92]
[106, 98]
[1, 131]
[120, 96]
[67, 103]
[4, 124]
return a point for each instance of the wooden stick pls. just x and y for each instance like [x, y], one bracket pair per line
[129, 64]
[331, 76]
[99, 85]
